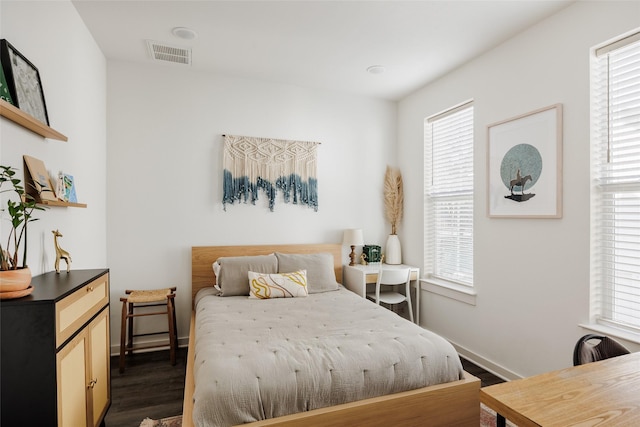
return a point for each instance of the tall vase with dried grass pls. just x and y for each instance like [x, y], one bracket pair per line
[393, 205]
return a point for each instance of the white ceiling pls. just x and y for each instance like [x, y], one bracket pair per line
[319, 44]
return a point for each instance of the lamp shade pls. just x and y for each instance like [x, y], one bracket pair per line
[353, 237]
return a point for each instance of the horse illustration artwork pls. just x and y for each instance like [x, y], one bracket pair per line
[519, 181]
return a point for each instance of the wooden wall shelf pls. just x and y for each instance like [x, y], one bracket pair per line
[27, 121]
[62, 204]
[59, 203]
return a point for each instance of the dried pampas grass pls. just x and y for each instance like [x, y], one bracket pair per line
[393, 197]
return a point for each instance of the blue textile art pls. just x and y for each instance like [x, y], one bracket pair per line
[252, 165]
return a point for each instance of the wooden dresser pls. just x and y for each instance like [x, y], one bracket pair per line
[55, 352]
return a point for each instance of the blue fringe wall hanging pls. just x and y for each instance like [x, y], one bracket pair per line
[271, 165]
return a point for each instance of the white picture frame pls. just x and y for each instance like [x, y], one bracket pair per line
[524, 165]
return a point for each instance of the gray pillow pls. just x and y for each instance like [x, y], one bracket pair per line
[233, 279]
[321, 276]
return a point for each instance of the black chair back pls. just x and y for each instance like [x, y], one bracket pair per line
[586, 351]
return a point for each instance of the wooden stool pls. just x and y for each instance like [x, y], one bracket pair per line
[147, 298]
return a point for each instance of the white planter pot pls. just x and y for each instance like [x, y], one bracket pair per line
[393, 252]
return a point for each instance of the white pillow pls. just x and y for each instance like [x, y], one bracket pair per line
[216, 271]
[278, 285]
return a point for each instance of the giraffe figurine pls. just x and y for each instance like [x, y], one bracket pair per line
[60, 253]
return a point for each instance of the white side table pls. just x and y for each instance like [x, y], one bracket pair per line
[357, 277]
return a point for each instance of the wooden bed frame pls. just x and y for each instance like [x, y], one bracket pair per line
[452, 404]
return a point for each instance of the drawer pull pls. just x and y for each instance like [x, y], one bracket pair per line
[89, 288]
[93, 383]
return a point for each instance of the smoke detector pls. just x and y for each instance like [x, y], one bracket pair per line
[184, 33]
[166, 53]
[376, 69]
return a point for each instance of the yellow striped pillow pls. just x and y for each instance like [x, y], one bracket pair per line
[281, 285]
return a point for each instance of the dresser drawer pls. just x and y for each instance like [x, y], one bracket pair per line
[76, 309]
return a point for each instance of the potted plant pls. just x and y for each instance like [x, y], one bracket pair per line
[13, 270]
[393, 205]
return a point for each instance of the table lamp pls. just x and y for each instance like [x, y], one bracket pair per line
[353, 237]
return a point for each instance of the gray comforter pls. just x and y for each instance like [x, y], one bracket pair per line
[258, 359]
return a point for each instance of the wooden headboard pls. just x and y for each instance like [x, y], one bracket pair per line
[203, 257]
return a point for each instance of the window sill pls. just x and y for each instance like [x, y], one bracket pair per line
[612, 332]
[450, 290]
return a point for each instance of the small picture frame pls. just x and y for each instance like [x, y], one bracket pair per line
[524, 165]
[68, 193]
[23, 82]
[37, 180]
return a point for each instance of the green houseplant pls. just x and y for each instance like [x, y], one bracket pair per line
[20, 208]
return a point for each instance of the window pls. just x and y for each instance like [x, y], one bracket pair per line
[615, 189]
[448, 201]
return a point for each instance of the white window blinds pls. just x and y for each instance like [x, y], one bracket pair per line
[449, 195]
[615, 190]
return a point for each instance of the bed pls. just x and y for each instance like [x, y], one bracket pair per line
[453, 403]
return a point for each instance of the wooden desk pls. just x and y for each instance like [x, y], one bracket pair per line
[599, 393]
[357, 277]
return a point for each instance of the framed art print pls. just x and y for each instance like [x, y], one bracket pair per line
[69, 186]
[524, 165]
[38, 181]
[23, 81]
[5, 95]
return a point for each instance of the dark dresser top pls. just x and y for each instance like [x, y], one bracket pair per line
[52, 286]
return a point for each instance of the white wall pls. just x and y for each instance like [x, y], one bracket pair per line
[73, 73]
[531, 275]
[165, 170]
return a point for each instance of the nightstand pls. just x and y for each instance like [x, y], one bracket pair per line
[357, 277]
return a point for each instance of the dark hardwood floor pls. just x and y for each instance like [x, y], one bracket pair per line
[486, 378]
[151, 387]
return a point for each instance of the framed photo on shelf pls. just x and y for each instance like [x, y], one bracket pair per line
[524, 165]
[23, 81]
[38, 182]
[68, 187]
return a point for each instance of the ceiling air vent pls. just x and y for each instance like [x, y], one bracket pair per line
[163, 52]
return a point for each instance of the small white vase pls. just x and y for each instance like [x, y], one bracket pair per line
[393, 252]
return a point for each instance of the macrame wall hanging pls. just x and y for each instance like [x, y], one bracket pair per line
[253, 164]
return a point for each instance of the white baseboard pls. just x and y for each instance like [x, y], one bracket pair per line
[486, 364]
[182, 342]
